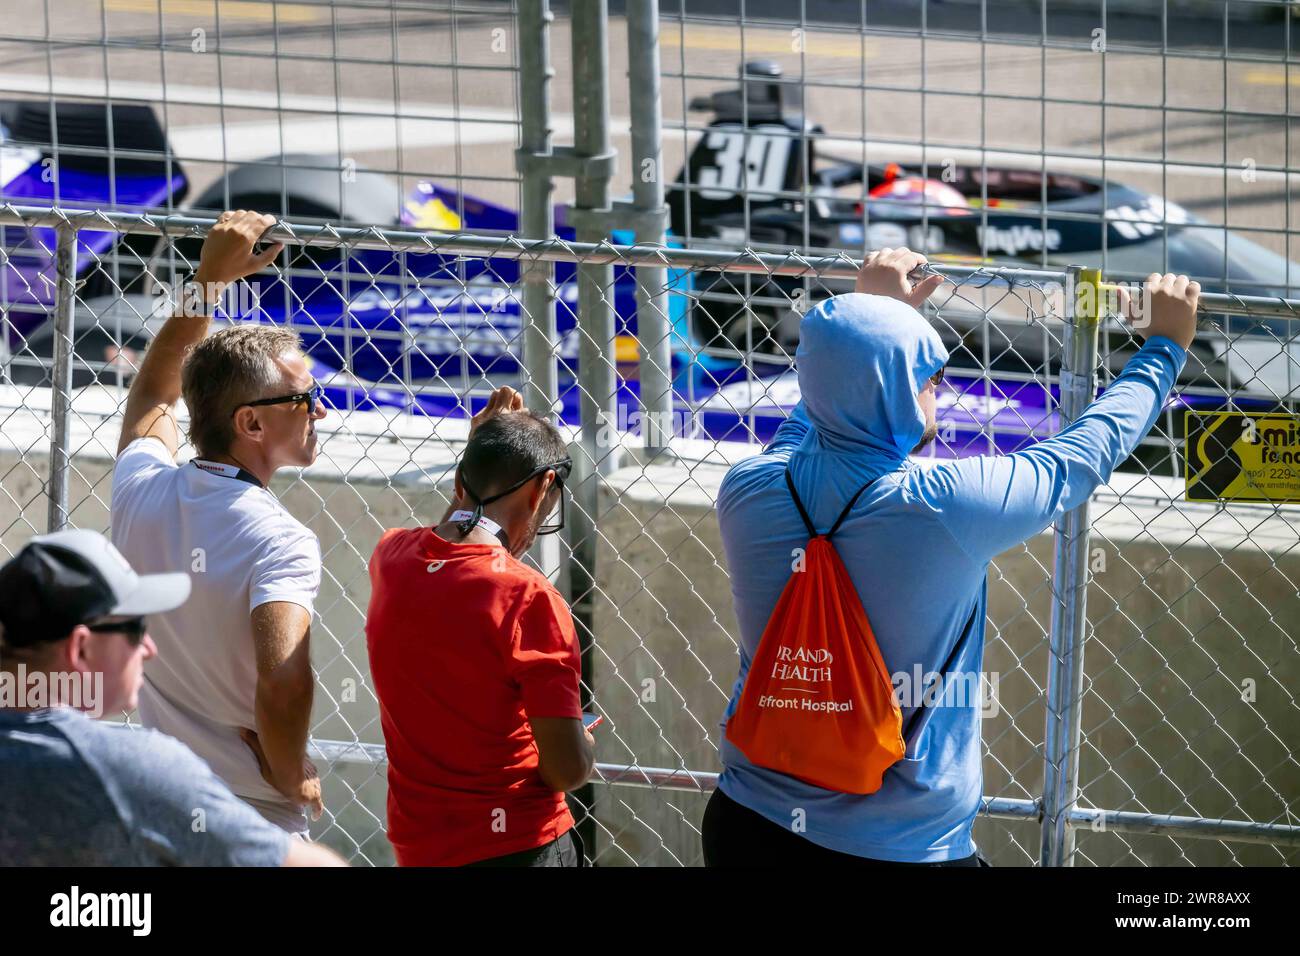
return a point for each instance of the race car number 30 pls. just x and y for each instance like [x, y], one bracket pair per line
[1236, 456]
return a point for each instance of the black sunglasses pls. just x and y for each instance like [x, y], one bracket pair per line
[312, 397]
[937, 378]
[133, 629]
[562, 469]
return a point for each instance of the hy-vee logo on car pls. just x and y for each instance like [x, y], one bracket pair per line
[1013, 240]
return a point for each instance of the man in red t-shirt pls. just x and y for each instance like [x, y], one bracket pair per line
[475, 662]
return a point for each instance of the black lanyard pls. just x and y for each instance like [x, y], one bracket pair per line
[226, 471]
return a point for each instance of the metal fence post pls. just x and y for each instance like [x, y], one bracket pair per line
[537, 328]
[597, 392]
[653, 327]
[590, 217]
[536, 216]
[1078, 383]
[65, 265]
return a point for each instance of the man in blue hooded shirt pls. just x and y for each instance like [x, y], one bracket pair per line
[917, 547]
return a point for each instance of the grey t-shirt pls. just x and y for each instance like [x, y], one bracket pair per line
[78, 792]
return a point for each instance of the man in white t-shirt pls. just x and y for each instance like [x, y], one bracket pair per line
[233, 679]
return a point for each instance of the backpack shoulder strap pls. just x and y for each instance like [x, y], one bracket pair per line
[803, 512]
[918, 715]
[849, 507]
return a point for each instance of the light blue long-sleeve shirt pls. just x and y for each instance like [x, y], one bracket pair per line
[917, 547]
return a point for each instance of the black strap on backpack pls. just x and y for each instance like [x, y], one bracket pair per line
[803, 512]
[920, 713]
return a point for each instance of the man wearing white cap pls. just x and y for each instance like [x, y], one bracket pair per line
[75, 792]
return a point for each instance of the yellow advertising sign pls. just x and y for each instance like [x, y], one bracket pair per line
[1237, 456]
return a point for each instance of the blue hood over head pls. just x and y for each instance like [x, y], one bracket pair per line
[862, 360]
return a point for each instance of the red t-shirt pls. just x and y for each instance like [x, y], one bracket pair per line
[466, 644]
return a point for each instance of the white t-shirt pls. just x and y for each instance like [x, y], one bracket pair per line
[241, 549]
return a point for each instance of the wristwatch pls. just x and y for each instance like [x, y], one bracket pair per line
[192, 301]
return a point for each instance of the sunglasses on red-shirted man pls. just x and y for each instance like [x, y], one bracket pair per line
[554, 521]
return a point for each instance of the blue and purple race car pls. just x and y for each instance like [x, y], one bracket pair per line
[433, 334]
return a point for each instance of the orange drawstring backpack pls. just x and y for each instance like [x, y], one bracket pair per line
[818, 703]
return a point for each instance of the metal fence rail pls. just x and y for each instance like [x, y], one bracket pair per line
[1145, 749]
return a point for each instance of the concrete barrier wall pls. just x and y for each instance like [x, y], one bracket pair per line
[1188, 602]
[1185, 607]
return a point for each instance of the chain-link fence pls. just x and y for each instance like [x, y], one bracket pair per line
[1031, 133]
[1151, 723]
[381, 111]
[1034, 133]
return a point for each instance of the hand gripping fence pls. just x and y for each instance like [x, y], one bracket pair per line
[1140, 658]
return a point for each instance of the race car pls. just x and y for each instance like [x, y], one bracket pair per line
[761, 177]
[433, 334]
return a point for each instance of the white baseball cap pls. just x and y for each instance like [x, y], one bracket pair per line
[60, 580]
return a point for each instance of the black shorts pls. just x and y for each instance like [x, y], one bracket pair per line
[564, 850]
[735, 835]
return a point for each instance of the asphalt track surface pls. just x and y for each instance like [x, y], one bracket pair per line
[421, 92]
